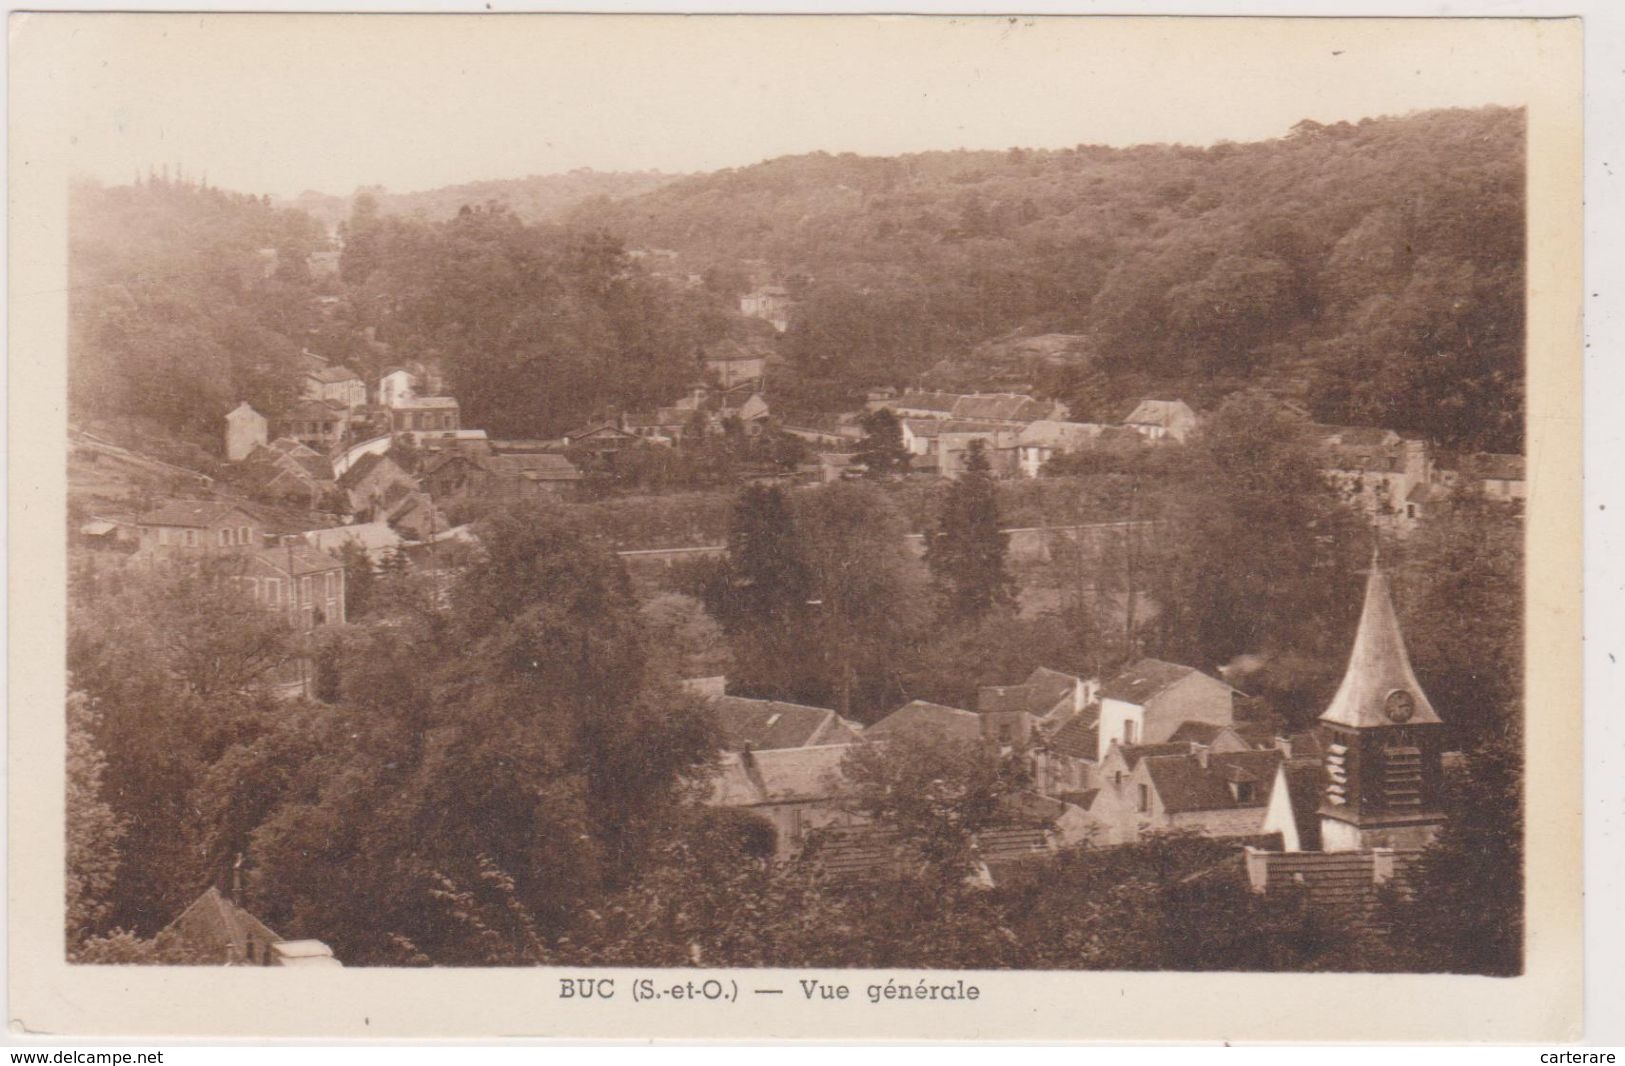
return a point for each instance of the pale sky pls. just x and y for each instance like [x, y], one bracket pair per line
[283, 103]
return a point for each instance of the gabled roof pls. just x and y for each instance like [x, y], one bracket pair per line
[1143, 680]
[1379, 668]
[215, 923]
[1063, 436]
[430, 402]
[192, 514]
[1197, 733]
[782, 775]
[535, 466]
[333, 375]
[1003, 407]
[1186, 786]
[928, 401]
[296, 559]
[370, 536]
[1165, 413]
[362, 467]
[1079, 738]
[920, 716]
[768, 725]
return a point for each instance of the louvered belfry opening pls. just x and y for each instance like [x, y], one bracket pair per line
[1402, 777]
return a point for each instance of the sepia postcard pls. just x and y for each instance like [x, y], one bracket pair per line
[795, 527]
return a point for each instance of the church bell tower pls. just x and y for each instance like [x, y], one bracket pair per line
[1383, 741]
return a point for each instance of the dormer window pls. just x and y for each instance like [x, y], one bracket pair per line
[1244, 791]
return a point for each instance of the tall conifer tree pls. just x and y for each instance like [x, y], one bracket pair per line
[967, 550]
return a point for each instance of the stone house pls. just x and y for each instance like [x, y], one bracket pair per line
[797, 790]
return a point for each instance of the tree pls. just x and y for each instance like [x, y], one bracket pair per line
[359, 577]
[882, 453]
[94, 830]
[867, 587]
[966, 552]
[1466, 910]
[936, 792]
[1261, 557]
[763, 599]
[517, 767]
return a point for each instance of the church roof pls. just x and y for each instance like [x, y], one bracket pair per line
[1378, 667]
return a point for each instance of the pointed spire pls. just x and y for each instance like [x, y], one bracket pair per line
[1379, 669]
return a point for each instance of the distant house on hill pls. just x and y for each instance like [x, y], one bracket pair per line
[1159, 420]
[246, 429]
[318, 424]
[770, 303]
[324, 381]
[532, 475]
[425, 414]
[373, 481]
[1501, 477]
[1385, 476]
[731, 363]
[189, 526]
[1039, 442]
[1005, 408]
[295, 579]
[396, 386]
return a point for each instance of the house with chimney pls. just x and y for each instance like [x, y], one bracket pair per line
[1150, 699]
[797, 790]
[1231, 794]
[324, 381]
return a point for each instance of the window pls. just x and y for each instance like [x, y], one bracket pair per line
[1145, 797]
[1130, 732]
[254, 586]
[1410, 510]
[273, 591]
[163, 535]
[304, 591]
[242, 535]
[332, 584]
[1246, 792]
[225, 537]
[191, 538]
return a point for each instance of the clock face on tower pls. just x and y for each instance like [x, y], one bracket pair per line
[1399, 705]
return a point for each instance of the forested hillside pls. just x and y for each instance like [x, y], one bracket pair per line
[184, 301]
[537, 198]
[1371, 270]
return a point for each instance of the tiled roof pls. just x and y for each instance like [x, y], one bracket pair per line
[785, 775]
[193, 514]
[1185, 785]
[1196, 733]
[297, 559]
[333, 375]
[920, 716]
[1003, 407]
[537, 466]
[1133, 753]
[1079, 738]
[765, 725]
[431, 402]
[215, 923]
[1143, 680]
[1342, 880]
[1066, 436]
